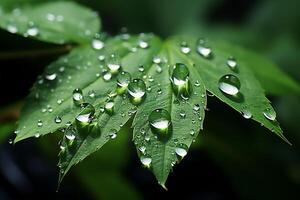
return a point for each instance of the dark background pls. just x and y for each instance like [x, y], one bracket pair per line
[233, 158]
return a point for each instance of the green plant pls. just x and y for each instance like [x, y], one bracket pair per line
[160, 87]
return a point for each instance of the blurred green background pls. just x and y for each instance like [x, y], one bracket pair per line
[232, 159]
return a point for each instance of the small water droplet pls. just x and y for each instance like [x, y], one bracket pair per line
[143, 44]
[50, 76]
[109, 107]
[12, 28]
[231, 63]
[142, 149]
[156, 60]
[196, 107]
[113, 64]
[77, 96]
[203, 50]
[141, 68]
[270, 114]
[246, 114]
[57, 120]
[180, 80]
[146, 161]
[192, 132]
[181, 150]
[197, 83]
[160, 121]
[229, 84]
[182, 114]
[137, 91]
[40, 123]
[184, 48]
[32, 30]
[112, 133]
[97, 44]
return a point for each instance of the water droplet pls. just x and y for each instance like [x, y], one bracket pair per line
[156, 60]
[97, 44]
[229, 84]
[113, 133]
[203, 50]
[77, 96]
[86, 115]
[113, 64]
[123, 81]
[270, 114]
[231, 63]
[137, 91]
[181, 150]
[182, 114]
[32, 30]
[246, 114]
[10, 141]
[57, 120]
[184, 48]
[192, 132]
[37, 135]
[143, 44]
[109, 107]
[158, 69]
[197, 83]
[146, 161]
[196, 107]
[141, 68]
[70, 134]
[180, 80]
[142, 149]
[59, 101]
[12, 28]
[160, 121]
[50, 76]
[92, 93]
[107, 76]
[40, 123]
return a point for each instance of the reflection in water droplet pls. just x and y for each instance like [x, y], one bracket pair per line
[229, 84]
[180, 80]
[160, 121]
[137, 91]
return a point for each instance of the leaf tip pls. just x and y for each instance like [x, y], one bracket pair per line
[162, 184]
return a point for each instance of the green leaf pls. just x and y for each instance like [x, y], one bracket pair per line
[58, 22]
[179, 108]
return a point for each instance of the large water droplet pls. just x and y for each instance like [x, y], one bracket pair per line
[270, 114]
[86, 115]
[146, 161]
[109, 107]
[184, 48]
[123, 81]
[181, 150]
[229, 84]
[160, 121]
[137, 91]
[180, 80]
[77, 96]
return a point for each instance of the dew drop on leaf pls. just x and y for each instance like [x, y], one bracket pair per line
[123, 81]
[86, 114]
[40, 123]
[77, 96]
[160, 121]
[112, 133]
[32, 30]
[184, 48]
[203, 50]
[113, 64]
[270, 114]
[109, 107]
[146, 161]
[180, 80]
[246, 114]
[57, 120]
[137, 91]
[231, 63]
[229, 84]
[181, 150]
[50, 76]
